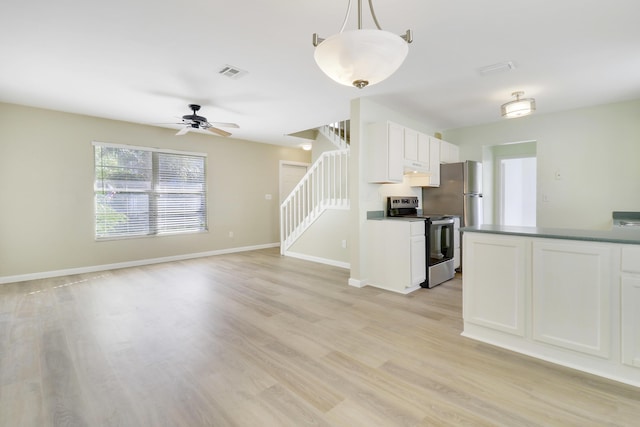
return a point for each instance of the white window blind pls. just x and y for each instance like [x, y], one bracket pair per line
[141, 191]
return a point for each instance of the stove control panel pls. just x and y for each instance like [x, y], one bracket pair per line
[402, 202]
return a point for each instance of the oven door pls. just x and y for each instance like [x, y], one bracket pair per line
[441, 242]
[440, 246]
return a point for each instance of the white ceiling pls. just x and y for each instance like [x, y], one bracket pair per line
[143, 61]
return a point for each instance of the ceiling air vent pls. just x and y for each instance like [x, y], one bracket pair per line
[231, 72]
[500, 67]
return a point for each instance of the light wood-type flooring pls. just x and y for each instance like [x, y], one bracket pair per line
[256, 339]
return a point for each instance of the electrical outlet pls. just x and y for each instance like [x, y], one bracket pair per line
[268, 197]
[344, 244]
[231, 234]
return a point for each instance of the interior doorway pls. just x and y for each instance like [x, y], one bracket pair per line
[510, 192]
[290, 175]
[517, 195]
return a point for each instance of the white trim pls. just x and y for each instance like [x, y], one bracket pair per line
[126, 264]
[320, 260]
[281, 164]
[357, 283]
[153, 149]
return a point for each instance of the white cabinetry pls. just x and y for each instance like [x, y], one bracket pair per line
[434, 161]
[396, 254]
[571, 290]
[571, 302]
[416, 151]
[449, 153]
[395, 150]
[630, 312]
[386, 141]
[495, 270]
[418, 253]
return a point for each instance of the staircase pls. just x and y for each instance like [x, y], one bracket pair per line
[325, 186]
[338, 133]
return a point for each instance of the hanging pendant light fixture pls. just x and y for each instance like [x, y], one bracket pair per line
[518, 107]
[361, 57]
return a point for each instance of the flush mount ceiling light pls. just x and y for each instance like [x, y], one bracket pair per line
[361, 57]
[518, 107]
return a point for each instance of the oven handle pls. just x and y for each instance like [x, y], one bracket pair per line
[442, 221]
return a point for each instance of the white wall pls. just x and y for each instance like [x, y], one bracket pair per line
[46, 197]
[596, 150]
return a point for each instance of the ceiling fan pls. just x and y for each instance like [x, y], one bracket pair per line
[194, 121]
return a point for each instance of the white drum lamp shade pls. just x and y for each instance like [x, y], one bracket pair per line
[519, 107]
[361, 57]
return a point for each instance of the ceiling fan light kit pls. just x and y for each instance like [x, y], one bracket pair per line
[194, 121]
[518, 107]
[361, 57]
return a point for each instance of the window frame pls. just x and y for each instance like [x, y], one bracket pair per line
[153, 194]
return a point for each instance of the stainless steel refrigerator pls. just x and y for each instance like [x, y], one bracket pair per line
[460, 193]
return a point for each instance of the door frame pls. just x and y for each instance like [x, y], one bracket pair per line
[281, 165]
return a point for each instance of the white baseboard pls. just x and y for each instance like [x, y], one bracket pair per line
[357, 283]
[126, 264]
[318, 259]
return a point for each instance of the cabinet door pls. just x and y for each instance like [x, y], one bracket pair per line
[631, 320]
[418, 260]
[423, 149]
[395, 142]
[454, 153]
[571, 295]
[449, 153]
[410, 145]
[495, 270]
[434, 162]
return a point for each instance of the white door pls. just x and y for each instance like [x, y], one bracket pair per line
[290, 175]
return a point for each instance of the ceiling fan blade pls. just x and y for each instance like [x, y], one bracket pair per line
[218, 131]
[225, 125]
[183, 131]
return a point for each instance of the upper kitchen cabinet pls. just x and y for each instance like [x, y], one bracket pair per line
[434, 153]
[449, 153]
[386, 141]
[416, 151]
[396, 150]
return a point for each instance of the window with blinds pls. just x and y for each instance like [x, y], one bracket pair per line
[143, 192]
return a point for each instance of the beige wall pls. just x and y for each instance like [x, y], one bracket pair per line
[596, 150]
[46, 193]
[323, 240]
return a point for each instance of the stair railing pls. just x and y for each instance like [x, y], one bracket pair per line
[325, 186]
[338, 133]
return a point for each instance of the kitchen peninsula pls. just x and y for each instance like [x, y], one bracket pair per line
[567, 296]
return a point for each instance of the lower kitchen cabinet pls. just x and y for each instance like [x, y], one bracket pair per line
[495, 270]
[418, 252]
[630, 311]
[568, 301]
[631, 320]
[571, 304]
[396, 254]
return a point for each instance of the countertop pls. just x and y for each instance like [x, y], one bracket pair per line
[615, 235]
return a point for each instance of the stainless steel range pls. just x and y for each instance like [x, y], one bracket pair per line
[438, 237]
